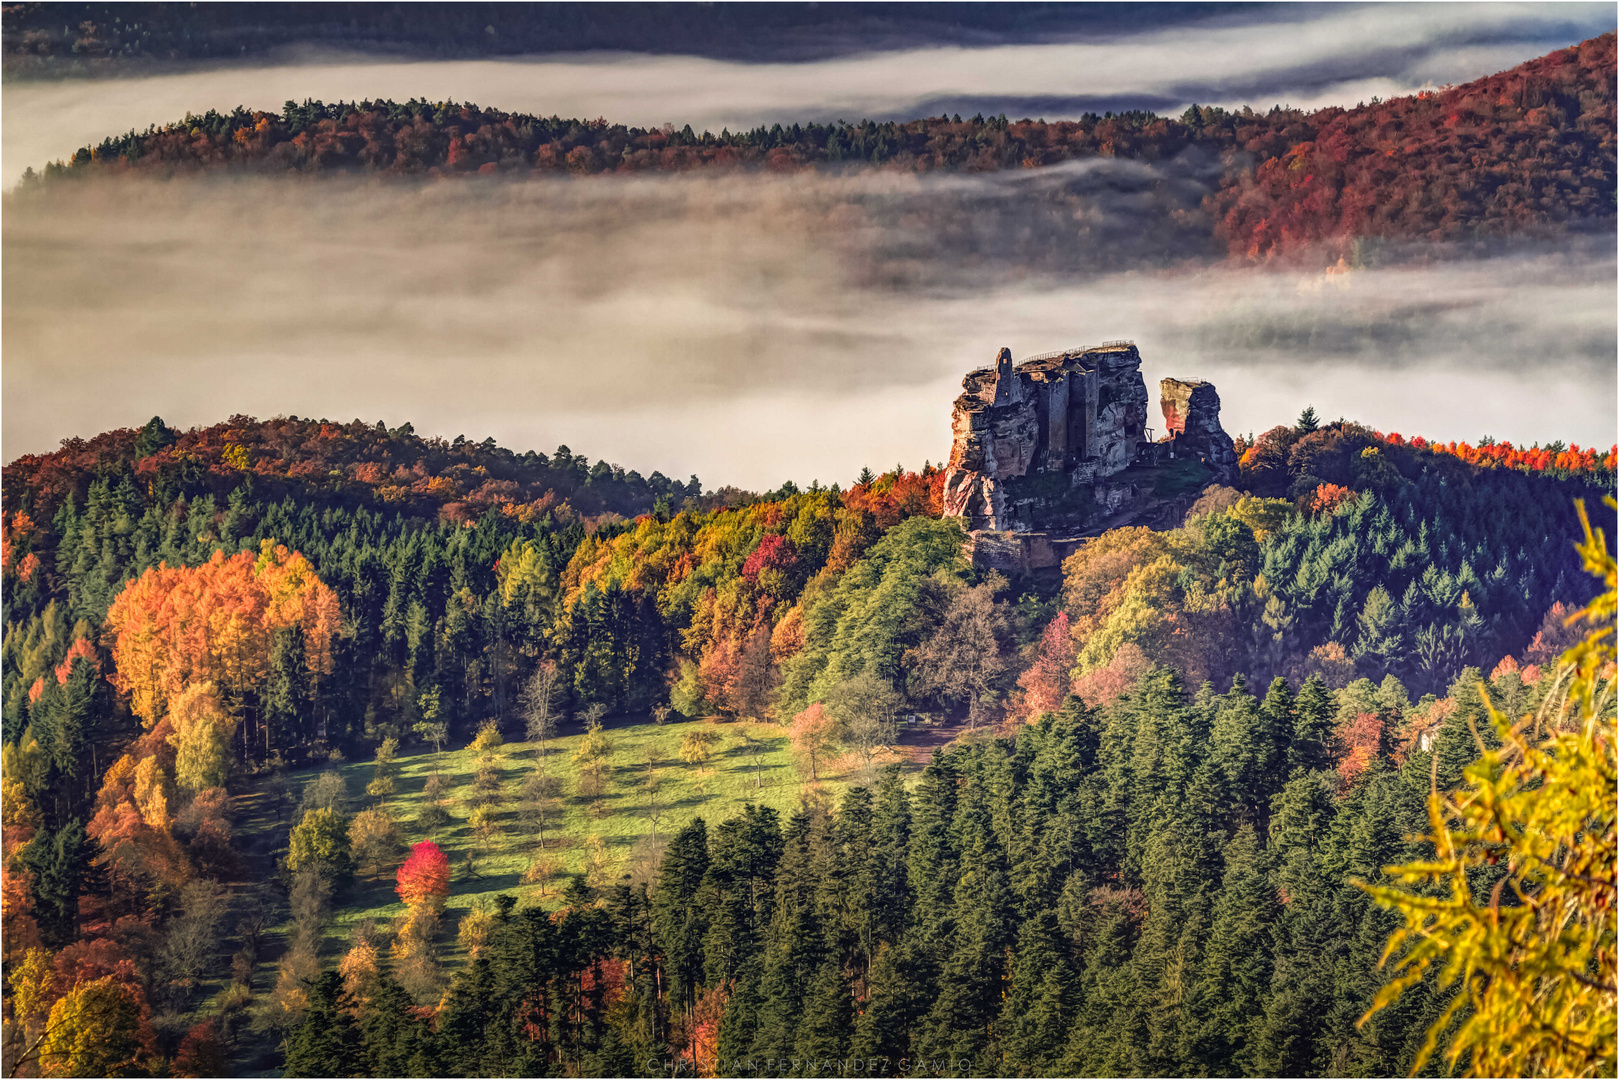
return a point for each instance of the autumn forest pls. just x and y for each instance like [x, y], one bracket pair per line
[335, 749]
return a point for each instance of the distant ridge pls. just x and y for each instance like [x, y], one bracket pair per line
[1530, 149]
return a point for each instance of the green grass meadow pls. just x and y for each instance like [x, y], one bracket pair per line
[622, 818]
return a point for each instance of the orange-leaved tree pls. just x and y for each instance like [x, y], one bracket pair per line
[814, 735]
[1047, 683]
[173, 627]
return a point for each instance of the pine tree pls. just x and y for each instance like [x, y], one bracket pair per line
[678, 922]
[1241, 748]
[285, 700]
[1383, 642]
[1314, 716]
[961, 1023]
[1300, 819]
[327, 1042]
[850, 884]
[739, 1027]
[893, 1007]
[1102, 1028]
[464, 1019]
[1292, 1036]
[1040, 1002]
[58, 863]
[390, 1033]
[1466, 732]
[154, 435]
[1227, 999]
[931, 856]
[795, 946]
[827, 1021]
[889, 890]
[1276, 734]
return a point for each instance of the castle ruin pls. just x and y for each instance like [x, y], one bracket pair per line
[1039, 448]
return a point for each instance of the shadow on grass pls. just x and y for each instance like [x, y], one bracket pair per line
[461, 885]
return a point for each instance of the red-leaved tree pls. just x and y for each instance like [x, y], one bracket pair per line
[425, 875]
[1047, 682]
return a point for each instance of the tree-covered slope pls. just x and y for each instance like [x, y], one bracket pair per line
[1528, 149]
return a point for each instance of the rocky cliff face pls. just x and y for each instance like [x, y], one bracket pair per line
[1038, 446]
[1057, 423]
[1192, 422]
[1121, 412]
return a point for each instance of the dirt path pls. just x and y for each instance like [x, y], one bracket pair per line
[918, 741]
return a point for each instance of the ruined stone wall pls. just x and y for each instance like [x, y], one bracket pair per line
[1073, 416]
[1038, 444]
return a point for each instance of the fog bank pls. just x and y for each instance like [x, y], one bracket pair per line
[749, 329]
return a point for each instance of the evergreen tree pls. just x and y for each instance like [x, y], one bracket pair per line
[1314, 715]
[1292, 1038]
[285, 700]
[391, 1036]
[889, 892]
[678, 922]
[931, 856]
[154, 435]
[961, 1023]
[893, 1007]
[1243, 748]
[1465, 733]
[58, 863]
[1276, 732]
[795, 947]
[1383, 642]
[827, 1021]
[327, 1042]
[1041, 1000]
[739, 1026]
[1227, 1000]
[1104, 1025]
[738, 889]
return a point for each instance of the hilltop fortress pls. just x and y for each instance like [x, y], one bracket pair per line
[1049, 449]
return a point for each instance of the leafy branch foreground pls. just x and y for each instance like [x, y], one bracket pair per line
[1534, 965]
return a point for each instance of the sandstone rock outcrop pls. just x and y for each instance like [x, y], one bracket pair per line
[1192, 423]
[1061, 421]
[1039, 445]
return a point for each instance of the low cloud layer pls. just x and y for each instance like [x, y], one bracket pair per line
[749, 329]
[1306, 55]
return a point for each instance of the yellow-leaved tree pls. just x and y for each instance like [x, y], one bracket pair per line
[99, 1028]
[1532, 963]
[201, 737]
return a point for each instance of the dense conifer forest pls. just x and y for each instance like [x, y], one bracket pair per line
[1135, 857]
[1527, 150]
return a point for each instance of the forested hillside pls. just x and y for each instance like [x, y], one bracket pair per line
[1531, 149]
[1135, 858]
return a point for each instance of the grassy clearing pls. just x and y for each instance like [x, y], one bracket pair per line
[622, 819]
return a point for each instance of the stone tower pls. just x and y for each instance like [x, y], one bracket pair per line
[1005, 383]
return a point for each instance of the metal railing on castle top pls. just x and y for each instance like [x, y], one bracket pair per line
[1060, 353]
